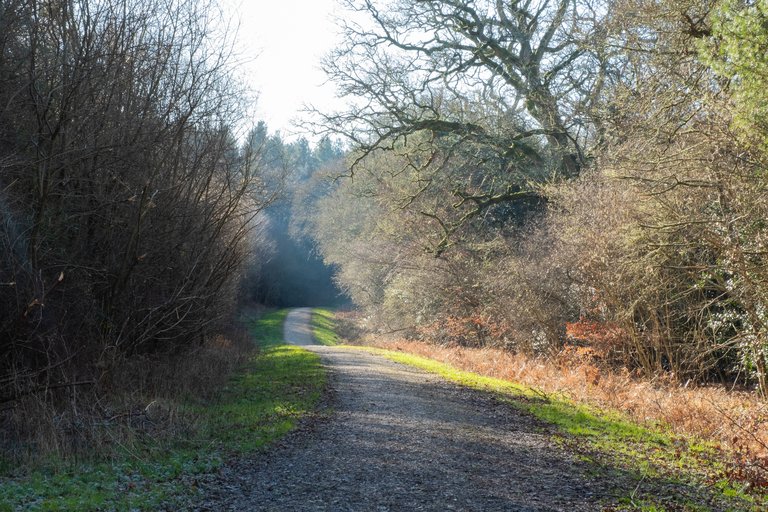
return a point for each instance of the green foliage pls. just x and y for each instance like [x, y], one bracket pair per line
[261, 403]
[738, 51]
[323, 327]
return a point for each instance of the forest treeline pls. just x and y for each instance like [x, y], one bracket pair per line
[549, 175]
[293, 273]
[133, 214]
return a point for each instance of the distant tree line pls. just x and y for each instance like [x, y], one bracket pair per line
[293, 272]
[553, 173]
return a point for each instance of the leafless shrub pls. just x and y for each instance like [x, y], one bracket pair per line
[142, 398]
[127, 208]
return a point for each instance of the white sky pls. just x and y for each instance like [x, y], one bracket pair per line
[282, 42]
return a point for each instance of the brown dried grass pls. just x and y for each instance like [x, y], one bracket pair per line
[135, 400]
[734, 420]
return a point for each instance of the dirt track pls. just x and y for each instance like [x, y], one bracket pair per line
[297, 329]
[402, 439]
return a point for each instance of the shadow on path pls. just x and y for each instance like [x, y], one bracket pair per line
[400, 439]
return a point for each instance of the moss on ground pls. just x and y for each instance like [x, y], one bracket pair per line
[660, 461]
[324, 327]
[279, 385]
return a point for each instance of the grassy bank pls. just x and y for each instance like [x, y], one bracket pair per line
[261, 402]
[324, 327]
[674, 473]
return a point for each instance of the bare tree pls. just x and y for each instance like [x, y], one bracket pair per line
[125, 201]
[505, 88]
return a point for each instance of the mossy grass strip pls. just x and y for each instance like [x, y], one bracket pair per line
[324, 327]
[610, 441]
[279, 385]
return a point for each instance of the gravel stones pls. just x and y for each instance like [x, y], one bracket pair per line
[397, 438]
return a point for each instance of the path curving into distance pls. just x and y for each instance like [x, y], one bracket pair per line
[400, 439]
[297, 329]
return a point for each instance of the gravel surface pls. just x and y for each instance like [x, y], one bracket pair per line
[396, 438]
[297, 328]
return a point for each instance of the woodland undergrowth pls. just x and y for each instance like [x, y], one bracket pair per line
[145, 405]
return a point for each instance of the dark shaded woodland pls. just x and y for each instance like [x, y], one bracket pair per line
[133, 213]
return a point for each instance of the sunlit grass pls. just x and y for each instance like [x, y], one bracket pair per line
[323, 327]
[609, 440]
[278, 386]
[267, 331]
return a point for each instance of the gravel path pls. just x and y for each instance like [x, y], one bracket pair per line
[297, 329]
[399, 439]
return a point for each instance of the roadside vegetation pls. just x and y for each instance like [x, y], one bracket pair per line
[567, 191]
[140, 210]
[129, 211]
[259, 401]
[324, 326]
[674, 469]
[584, 175]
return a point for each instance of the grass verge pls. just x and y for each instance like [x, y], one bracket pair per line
[672, 473]
[324, 327]
[262, 402]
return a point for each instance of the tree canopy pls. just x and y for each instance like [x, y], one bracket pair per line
[521, 170]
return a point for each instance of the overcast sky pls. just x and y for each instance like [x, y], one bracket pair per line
[282, 42]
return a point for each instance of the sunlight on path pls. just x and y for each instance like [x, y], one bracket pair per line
[297, 329]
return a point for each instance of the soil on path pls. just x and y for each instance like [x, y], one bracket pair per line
[398, 439]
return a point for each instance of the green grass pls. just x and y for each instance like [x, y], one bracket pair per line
[611, 442]
[324, 327]
[278, 386]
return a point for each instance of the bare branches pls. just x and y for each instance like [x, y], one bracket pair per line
[426, 46]
[120, 171]
[504, 87]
